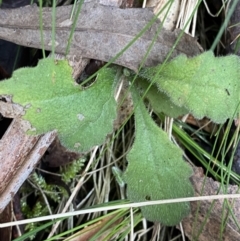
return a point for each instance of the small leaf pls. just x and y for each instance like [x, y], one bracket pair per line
[159, 101]
[53, 100]
[205, 85]
[156, 170]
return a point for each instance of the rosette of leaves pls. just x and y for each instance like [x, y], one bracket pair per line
[203, 85]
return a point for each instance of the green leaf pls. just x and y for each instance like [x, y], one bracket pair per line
[159, 101]
[205, 85]
[156, 170]
[53, 100]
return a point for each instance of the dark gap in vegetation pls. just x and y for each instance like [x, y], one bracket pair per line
[92, 67]
[4, 124]
[209, 26]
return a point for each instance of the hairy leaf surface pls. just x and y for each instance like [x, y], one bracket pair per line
[205, 85]
[159, 101]
[156, 170]
[53, 100]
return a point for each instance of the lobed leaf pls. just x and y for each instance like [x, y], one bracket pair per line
[53, 100]
[205, 85]
[156, 170]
